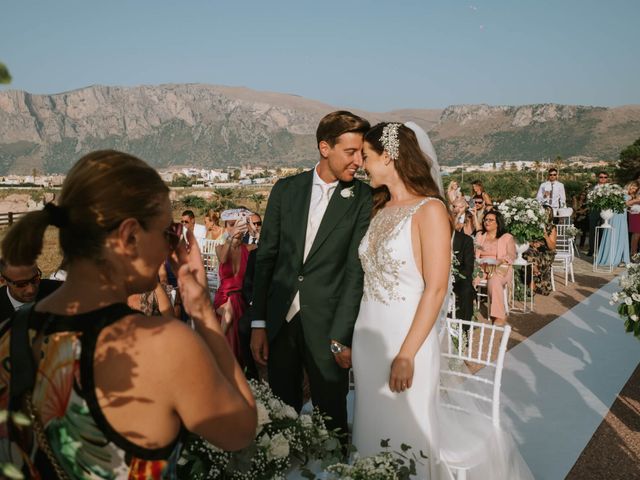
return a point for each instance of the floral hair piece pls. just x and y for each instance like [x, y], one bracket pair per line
[389, 140]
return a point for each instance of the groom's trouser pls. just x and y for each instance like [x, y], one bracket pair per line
[289, 355]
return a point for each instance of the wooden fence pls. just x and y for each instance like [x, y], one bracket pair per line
[7, 219]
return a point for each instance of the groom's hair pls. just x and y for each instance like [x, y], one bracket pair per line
[338, 123]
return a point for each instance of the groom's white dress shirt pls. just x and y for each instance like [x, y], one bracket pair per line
[320, 195]
[557, 197]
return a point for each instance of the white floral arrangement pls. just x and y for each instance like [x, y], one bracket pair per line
[607, 197]
[629, 297]
[282, 438]
[387, 465]
[524, 218]
[571, 231]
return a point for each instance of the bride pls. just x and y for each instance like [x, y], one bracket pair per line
[406, 257]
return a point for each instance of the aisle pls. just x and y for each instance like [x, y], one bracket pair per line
[560, 382]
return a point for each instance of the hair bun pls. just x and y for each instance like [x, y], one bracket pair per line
[58, 216]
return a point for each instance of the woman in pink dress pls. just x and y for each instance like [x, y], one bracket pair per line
[228, 302]
[498, 250]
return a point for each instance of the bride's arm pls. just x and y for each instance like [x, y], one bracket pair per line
[434, 234]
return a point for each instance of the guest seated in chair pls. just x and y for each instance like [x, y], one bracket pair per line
[496, 251]
[541, 253]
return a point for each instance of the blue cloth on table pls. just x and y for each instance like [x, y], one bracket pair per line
[620, 251]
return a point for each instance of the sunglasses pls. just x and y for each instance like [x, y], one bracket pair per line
[173, 234]
[489, 220]
[604, 176]
[35, 280]
[553, 174]
[478, 202]
[257, 224]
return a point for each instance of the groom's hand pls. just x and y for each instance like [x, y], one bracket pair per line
[260, 346]
[343, 359]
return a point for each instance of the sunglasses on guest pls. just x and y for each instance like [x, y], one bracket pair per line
[35, 280]
[257, 224]
[604, 176]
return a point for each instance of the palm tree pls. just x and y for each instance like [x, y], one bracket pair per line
[257, 198]
[224, 198]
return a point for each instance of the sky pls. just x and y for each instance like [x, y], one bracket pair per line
[367, 54]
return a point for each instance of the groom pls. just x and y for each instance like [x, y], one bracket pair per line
[308, 280]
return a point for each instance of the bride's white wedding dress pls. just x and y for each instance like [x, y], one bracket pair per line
[393, 287]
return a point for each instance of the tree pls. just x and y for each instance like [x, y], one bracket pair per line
[224, 199]
[629, 165]
[5, 76]
[257, 198]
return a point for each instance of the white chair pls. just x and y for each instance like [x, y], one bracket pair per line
[210, 260]
[451, 309]
[479, 350]
[564, 256]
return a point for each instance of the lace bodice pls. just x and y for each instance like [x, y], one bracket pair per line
[386, 254]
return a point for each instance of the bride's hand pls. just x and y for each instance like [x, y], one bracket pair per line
[401, 376]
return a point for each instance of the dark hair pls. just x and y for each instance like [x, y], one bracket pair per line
[101, 190]
[188, 213]
[552, 169]
[478, 183]
[213, 216]
[338, 123]
[549, 212]
[602, 172]
[413, 165]
[499, 221]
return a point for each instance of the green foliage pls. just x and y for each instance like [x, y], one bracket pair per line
[5, 76]
[194, 202]
[506, 184]
[629, 166]
[181, 180]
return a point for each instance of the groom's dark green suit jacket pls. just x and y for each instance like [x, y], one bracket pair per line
[330, 280]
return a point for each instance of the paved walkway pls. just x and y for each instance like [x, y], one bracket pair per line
[561, 381]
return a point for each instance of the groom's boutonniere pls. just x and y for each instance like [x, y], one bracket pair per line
[347, 192]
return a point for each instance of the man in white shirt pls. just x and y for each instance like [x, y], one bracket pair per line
[552, 192]
[189, 221]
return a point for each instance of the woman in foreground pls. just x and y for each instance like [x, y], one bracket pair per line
[115, 389]
[406, 257]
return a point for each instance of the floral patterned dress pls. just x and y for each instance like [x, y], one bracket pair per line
[542, 258]
[84, 444]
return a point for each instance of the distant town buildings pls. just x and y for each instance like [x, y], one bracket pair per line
[248, 176]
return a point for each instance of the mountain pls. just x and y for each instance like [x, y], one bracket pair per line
[213, 126]
[482, 133]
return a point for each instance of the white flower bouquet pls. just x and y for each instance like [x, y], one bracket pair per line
[387, 465]
[282, 436]
[606, 197]
[629, 297]
[524, 218]
[571, 231]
